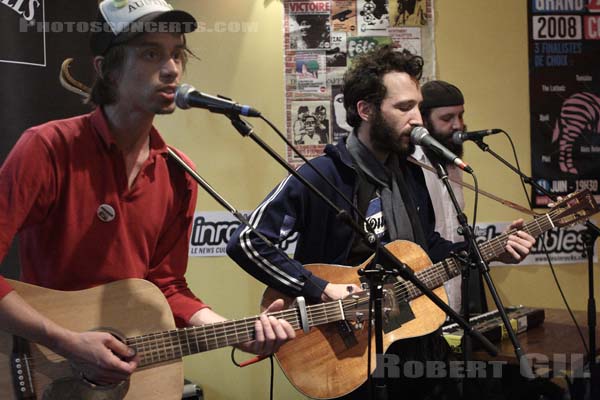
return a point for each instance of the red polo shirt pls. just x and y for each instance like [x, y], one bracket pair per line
[64, 190]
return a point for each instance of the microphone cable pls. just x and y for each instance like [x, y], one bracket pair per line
[360, 215]
[475, 201]
[542, 237]
[253, 361]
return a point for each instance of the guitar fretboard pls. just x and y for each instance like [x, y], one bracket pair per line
[165, 346]
[442, 271]
[170, 345]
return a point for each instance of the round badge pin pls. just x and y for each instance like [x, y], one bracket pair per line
[106, 213]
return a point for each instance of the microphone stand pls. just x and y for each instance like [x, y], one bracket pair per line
[589, 237]
[476, 256]
[383, 256]
[214, 194]
[467, 346]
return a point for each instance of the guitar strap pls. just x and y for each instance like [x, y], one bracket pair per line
[500, 200]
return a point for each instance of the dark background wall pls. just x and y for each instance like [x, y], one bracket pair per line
[30, 61]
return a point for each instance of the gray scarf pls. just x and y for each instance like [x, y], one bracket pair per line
[385, 181]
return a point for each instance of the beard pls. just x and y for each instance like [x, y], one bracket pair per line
[446, 141]
[384, 139]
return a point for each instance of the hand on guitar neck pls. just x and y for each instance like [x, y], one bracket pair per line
[518, 245]
[271, 332]
[338, 291]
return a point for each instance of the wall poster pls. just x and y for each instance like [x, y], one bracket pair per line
[321, 38]
[564, 54]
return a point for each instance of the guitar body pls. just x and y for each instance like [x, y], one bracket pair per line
[321, 364]
[128, 308]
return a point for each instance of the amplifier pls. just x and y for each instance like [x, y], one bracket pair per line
[491, 326]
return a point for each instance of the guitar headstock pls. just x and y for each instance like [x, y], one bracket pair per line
[574, 208]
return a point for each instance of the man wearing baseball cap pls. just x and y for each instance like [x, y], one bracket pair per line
[96, 198]
[442, 110]
[120, 21]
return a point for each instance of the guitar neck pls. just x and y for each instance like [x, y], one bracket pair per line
[439, 273]
[171, 345]
[494, 247]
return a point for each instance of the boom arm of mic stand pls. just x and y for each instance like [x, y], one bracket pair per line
[213, 193]
[484, 146]
[247, 131]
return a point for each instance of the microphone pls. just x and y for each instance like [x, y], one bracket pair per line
[187, 96]
[460, 137]
[419, 135]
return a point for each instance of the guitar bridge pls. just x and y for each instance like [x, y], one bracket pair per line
[395, 312]
[21, 373]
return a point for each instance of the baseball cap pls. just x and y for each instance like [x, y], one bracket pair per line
[122, 20]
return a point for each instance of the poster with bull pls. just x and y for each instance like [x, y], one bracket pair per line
[564, 54]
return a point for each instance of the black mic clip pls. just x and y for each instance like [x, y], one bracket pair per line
[243, 127]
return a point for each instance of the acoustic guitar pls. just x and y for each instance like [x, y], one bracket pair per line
[137, 312]
[330, 361]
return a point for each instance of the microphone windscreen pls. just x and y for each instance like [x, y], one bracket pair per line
[181, 96]
[418, 134]
[457, 138]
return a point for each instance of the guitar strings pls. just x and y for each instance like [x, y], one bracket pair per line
[316, 316]
[168, 345]
[493, 246]
[435, 274]
[176, 349]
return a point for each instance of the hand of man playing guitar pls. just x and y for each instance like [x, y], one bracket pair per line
[337, 291]
[519, 244]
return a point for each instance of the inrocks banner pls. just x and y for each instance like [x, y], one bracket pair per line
[212, 229]
[564, 55]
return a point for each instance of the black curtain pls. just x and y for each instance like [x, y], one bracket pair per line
[37, 35]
